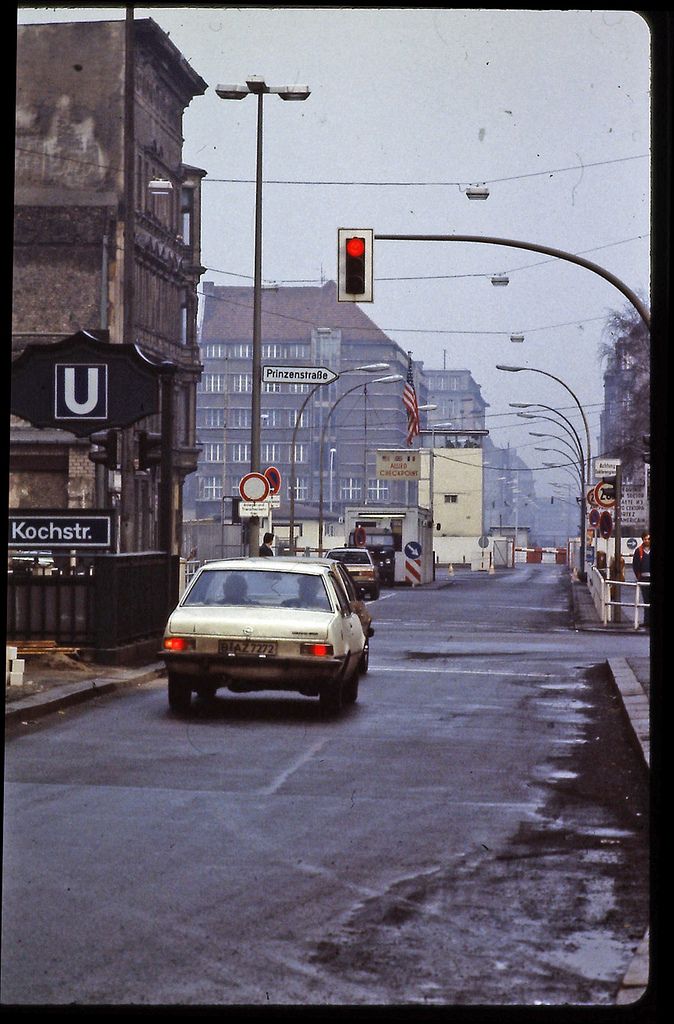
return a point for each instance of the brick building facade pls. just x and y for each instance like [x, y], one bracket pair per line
[95, 249]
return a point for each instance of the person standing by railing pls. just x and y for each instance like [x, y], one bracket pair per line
[641, 565]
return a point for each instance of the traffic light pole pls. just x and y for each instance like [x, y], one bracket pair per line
[533, 247]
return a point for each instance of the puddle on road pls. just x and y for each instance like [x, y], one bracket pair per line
[593, 955]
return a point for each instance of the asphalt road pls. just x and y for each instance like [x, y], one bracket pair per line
[473, 831]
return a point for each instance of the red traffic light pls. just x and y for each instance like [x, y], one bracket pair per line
[354, 265]
[355, 247]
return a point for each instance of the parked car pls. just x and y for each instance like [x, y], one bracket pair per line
[361, 567]
[252, 624]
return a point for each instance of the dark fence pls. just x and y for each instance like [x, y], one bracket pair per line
[126, 598]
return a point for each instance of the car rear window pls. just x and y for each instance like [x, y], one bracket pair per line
[351, 557]
[260, 588]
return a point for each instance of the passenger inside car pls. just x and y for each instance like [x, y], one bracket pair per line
[235, 589]
[310, 594]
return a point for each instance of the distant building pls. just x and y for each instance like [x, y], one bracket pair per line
[73, 202]
[458, 398]
[301, 326]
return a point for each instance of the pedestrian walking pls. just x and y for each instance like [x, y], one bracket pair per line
[266, 549]
[641, 565]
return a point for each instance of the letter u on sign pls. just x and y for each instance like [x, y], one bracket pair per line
[81, 391]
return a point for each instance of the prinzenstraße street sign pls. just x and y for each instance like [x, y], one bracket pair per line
[298, 375]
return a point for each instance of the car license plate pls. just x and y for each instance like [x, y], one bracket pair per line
[247, 647]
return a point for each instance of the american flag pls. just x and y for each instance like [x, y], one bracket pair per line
[410, 403]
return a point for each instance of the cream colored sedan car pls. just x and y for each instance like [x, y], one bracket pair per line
[252, 624]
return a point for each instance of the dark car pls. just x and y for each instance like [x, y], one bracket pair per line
[384, 557]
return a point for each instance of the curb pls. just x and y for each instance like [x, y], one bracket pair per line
[636, 704]
[45, 703]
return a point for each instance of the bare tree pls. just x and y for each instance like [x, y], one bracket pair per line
[625, 349]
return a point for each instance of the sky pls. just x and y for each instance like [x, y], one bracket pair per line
[408, 108]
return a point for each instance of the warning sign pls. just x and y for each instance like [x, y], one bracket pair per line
[633, 506]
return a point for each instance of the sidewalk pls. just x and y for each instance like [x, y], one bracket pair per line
[55, 681]
[631, 676]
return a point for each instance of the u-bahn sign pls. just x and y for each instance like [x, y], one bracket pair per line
[84, 383]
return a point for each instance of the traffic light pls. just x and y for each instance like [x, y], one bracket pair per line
[149, 449]
[354, 265]
[354, 270]
[106, 450]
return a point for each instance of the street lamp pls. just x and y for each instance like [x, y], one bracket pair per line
[557, 451]
[572, 432]
[366, 368]
[333, 452]
[257, 86]
[544, 373]
[389, 379]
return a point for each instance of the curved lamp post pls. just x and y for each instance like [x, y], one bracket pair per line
[366, 368]
[257, 86]
[550, 408]
[544, 373]
[389, 379]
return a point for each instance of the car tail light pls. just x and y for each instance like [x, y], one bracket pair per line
[317, 650]
[178, 643]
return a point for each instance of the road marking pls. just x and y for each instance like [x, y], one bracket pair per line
[462, 671]
[295, 766]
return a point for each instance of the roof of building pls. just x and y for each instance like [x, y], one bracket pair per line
[288, 314]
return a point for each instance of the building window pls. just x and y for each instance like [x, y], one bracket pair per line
[378, 490]
[186, 214]
[298, 389]
[291, 415]
[451, 499]
[350, 489]
[210, 487]
[242, 382]
[241, 351]
[213, 417]
[271, 418]
[301, 489]
[218, 351]
[271, 387]
[240, 453]
[301, 452]
[212, 382]
[239, 418]
[271, 452]
[184, 319]
[213, 452]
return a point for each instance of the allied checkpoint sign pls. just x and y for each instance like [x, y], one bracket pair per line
[84, 384]
[398, 464]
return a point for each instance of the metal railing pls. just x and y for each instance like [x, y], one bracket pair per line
[611, 594]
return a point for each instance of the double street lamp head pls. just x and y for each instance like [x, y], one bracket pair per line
[256, 84]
